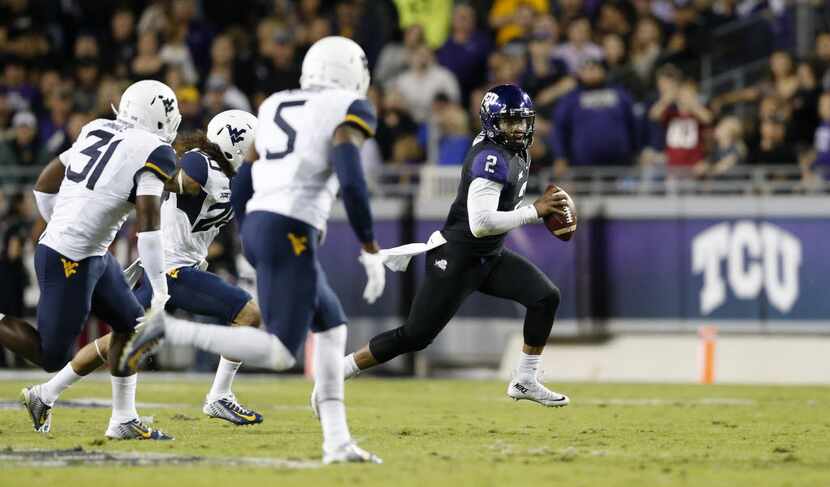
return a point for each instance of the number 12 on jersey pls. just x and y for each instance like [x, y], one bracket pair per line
[286, 127]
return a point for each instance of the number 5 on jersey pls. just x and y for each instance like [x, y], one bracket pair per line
[286, 127]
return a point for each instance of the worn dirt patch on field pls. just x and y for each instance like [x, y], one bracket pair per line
[80, 457]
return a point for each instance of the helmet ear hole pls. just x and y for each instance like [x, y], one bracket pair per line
[160, 125]
[228, 156]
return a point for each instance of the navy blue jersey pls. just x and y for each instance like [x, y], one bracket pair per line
[487, 160]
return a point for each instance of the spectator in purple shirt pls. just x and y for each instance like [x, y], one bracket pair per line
[817, 160]
[465, 52]
[19, 93]
[593, 124]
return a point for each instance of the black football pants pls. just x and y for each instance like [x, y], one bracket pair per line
[452, 274]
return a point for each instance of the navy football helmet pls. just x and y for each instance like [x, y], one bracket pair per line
[507, 117]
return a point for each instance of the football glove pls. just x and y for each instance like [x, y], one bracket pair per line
[375, 275]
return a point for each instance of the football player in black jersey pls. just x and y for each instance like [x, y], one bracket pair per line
[488, 205]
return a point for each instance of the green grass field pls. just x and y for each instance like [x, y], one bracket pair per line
[441, 432]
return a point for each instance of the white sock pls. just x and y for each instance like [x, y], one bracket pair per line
[528, 366]
[328, 377]
[123, 398]
[350, 368]
[51, 389]
[250, 345]
[223, 380]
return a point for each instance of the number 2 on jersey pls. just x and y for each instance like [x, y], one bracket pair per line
[286, 127]
[94, 154]
[490, 165]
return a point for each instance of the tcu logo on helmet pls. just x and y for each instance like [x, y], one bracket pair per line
[489, 99]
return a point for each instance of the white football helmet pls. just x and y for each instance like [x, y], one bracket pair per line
[336, 62]
[234, 132]
[152, 106]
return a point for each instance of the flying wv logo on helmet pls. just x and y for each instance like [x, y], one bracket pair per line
[168, 103]
[235, 134]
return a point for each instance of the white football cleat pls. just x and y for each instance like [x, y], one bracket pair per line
[536, 392]
[349, 453]
[134, 429]
[39, 411]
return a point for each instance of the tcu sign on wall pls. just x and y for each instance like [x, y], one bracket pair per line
[758, 257]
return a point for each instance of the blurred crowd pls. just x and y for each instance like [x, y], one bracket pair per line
[616, 83]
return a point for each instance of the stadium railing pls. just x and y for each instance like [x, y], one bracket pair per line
[436, 182]
[432, 181]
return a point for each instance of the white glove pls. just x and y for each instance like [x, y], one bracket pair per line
[133, 273]
[375, 275]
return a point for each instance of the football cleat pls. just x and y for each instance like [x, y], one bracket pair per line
[536, 392]
[349, 453]
[135, 430]
[228, 409]
[39, 411]
[146, 340]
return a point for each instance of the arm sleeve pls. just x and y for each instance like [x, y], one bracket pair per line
[345, 159]
[362, 115]
[151, 252]
[482, 209]
[195, 166]
[45, 204]
[150, 244]
[242, 188]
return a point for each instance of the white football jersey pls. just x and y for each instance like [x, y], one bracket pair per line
[293, 175]
[98, 189]
[190, 222]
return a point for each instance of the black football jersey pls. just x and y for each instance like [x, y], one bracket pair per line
[488, 160]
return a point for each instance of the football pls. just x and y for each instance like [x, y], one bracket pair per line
[562, 226]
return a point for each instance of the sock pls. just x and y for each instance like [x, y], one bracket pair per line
[528, 365]
[250, 345]
[350, 368]
[51, 389]
[328, 377]
[123, 398]
[223, 380]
